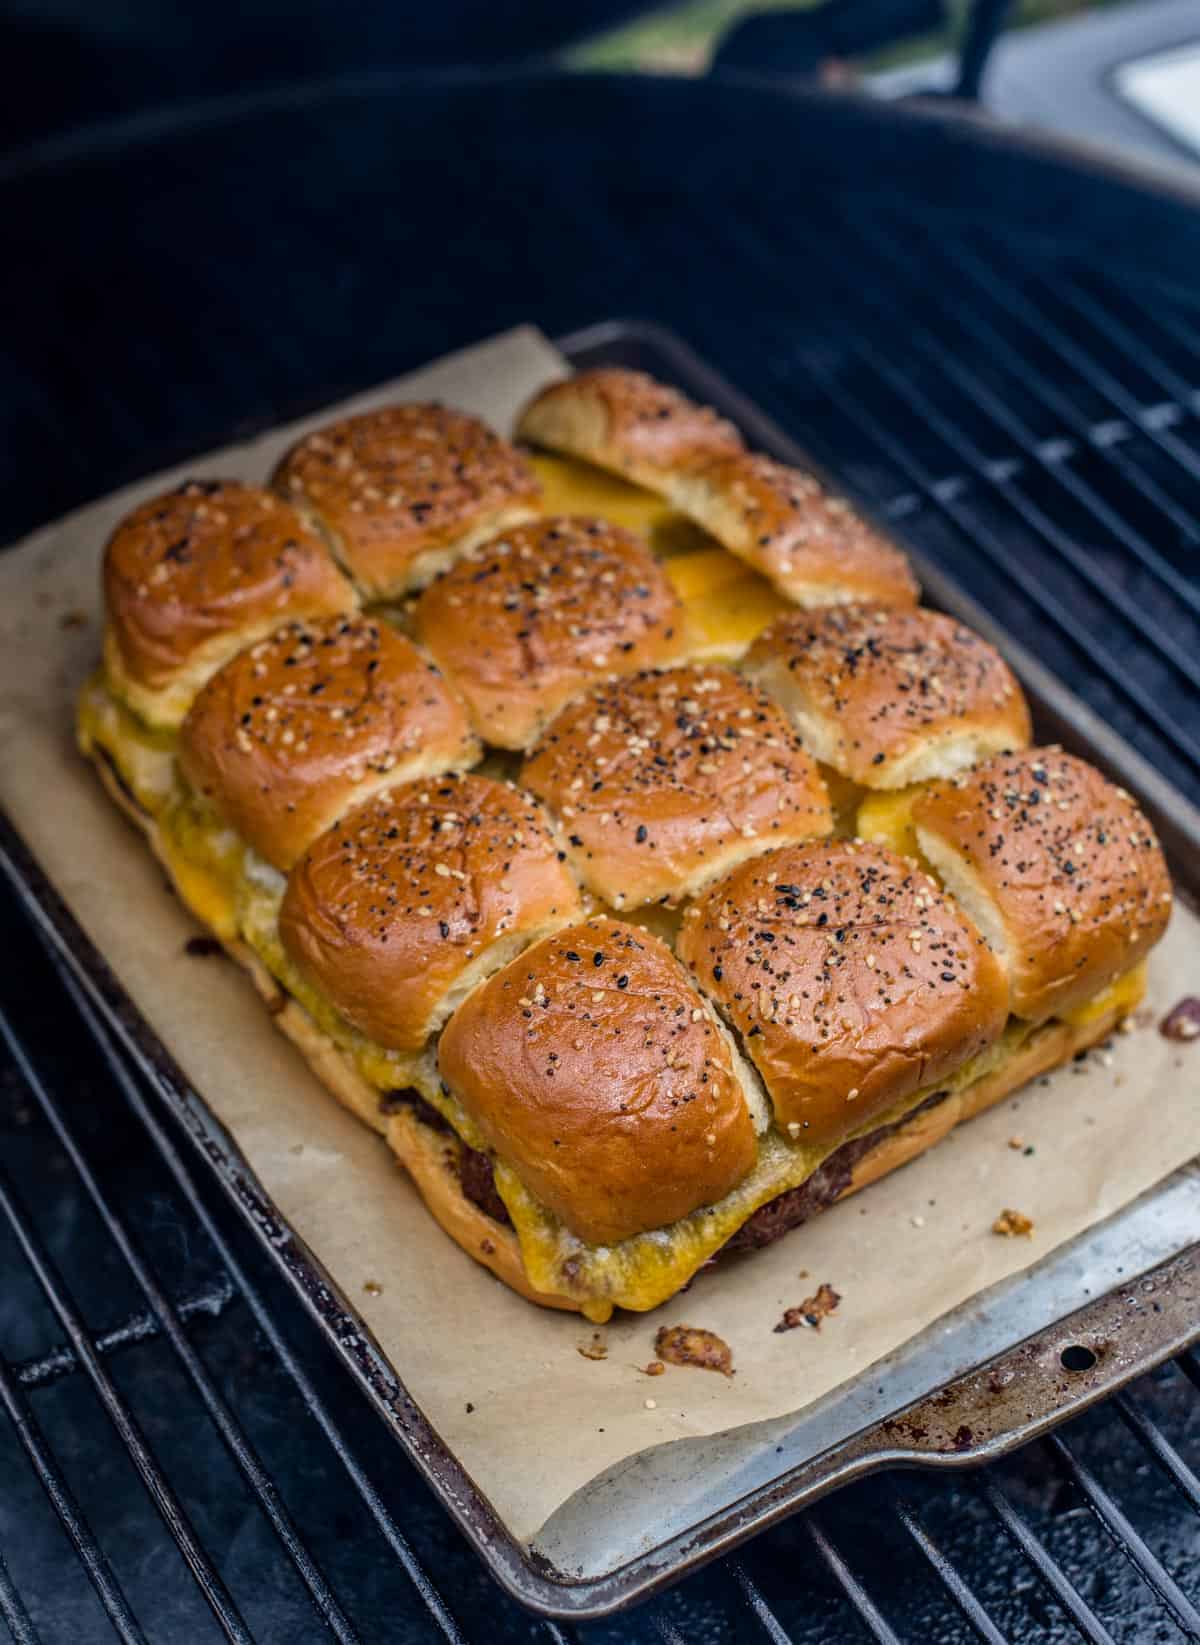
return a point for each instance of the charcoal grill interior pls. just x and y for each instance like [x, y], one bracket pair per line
[999, 351]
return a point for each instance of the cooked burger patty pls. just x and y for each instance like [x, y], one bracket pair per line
[770, 1222]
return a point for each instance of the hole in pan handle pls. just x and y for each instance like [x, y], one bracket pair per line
[1077, 1357]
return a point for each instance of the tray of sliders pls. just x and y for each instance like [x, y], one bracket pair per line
[653, 852]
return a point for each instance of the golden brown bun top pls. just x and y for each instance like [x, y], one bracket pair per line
[406, 485]
[811, 544]
[853, 981]
[204, 569]
[1068, 861]
[627, 421]
[889, 697]
[411, 897]
[598, 1074]
[663, 779]
[311, 721]
[550, 607]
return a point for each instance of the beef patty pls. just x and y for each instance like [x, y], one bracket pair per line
[769, 1223]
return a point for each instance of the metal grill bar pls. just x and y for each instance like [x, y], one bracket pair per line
[13, 1613]
[952, 1581]
[995, 550]
[1034, 517]
[853, 1589]
[130, 1089]
[1028, 380]
[1189, 1364]
[122, 1419]
[1163, 1452]
[1068, 1596]
[1076, 359]
[91, 1556]
[1161, 319]
[963, 518]
[1127, 1538]
[979, 394]
[757, 1601]
[139, 1328]
[1110, 325]
[218, 1411]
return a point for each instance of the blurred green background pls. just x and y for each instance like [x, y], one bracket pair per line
[679, 38]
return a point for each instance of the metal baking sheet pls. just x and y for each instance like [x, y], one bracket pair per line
[978, 1383]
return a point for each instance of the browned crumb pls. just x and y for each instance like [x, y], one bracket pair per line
[812, 1310]
[1016, 1143]
[373, 1288]
[594, 1348]
[692, 1345]
[1182, 1022]
[201, 948]
[73, 619]
[1013, 1223]
[654, 1369]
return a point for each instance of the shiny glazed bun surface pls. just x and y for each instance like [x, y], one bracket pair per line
[600, 1076]
[812, 545]
[193, 576]
[853, 981]
[407, 489]
[890, 697]
[663, 780]
[311, 721]
[396, 911]
[542, 612]
[627, 422]
[1057, 865]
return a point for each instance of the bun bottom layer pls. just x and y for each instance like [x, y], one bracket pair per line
[432, 1155]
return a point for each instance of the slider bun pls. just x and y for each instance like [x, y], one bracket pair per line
[1057, 867]
[625, 421]
[782, 521]
[544, 611]
[401, 907]
[193, 576]
[853, 981]
[599, 1076]
[313, 720]
[661, 781]
[431, 1159]
[406, 490]
[890, 697]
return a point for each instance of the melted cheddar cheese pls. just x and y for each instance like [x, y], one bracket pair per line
[845, 797]
[885, 818]
[1124, 996]
[642, 1272]
[144, 759]
[727, 603]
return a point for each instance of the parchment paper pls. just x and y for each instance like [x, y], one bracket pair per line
[501, 1381]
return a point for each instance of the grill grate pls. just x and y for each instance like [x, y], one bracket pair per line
[1017, 386]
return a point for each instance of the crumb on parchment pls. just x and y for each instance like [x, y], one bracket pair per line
[693, 1345]
[200, 948]
[595, 1347]
[1182, 1022]
[812, 1310]
[1010, 1224]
